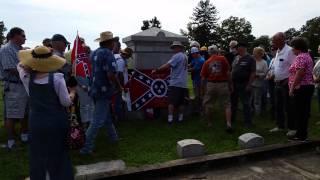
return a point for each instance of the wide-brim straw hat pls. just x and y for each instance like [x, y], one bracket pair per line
[41, 59]
[106, 36]
[127, 51]
[176, 44]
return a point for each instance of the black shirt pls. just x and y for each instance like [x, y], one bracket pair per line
[242, 68]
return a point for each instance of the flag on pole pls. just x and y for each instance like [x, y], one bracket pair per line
[80, 59]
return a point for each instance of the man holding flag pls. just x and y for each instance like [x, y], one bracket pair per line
[82, 72]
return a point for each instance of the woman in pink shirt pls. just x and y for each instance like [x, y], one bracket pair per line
[301, 87]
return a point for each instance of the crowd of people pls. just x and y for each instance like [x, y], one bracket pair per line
[285, 78]
[40, 86]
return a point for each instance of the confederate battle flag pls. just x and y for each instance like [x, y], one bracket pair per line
[148, 90]
[79, 55]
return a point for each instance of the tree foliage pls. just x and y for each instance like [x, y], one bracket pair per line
[235, 28]
[203, 25]
[291, 33]
[2, 30]
[263, 41]
[155, 22]
[147, 24]
[311, 31]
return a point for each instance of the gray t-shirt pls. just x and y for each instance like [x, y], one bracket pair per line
[179, 70]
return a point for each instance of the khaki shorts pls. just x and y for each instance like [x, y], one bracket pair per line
[216, 92]
[16, 100]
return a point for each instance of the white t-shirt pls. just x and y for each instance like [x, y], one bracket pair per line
[282, 62]
[58, 81]
[122, 67]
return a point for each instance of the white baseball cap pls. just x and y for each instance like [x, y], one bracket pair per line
[194, 50]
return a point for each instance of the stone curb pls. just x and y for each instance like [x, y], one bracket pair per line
[180, 165]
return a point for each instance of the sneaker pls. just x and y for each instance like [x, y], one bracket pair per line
[291, 133]
[84, 151]
[180, 118]
[229, 130]
[276, 129]
[296, 139]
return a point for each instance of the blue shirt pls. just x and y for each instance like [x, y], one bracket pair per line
[103, 62]
[197, 64]
[179, 70]
[9, 60]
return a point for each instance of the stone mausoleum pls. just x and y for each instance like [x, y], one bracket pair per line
[152, 47]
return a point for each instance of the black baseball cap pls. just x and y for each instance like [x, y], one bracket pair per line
[59, 37]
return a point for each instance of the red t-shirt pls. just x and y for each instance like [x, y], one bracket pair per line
[216, 68]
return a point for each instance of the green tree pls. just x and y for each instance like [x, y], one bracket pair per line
[147, 24]
[2, 30]
[155, 22]
[235, 28]
[262, 41]
[203, 25]
[311, 31]
[291, 33]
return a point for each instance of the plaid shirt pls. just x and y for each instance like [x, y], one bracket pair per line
[8, 61]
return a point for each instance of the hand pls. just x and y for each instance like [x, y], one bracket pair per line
[291, 92]
[153, 71]
[72, 96]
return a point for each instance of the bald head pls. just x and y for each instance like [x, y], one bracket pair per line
[279, 40]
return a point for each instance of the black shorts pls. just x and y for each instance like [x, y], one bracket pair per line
[177, 96]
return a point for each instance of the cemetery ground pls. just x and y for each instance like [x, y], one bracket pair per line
[154, 141]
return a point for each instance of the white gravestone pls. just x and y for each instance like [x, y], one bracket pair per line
[250, 140]
[190, 148]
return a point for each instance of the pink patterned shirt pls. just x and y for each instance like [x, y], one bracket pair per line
[302, 61]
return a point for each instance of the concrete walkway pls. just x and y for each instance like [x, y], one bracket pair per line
[295, 167]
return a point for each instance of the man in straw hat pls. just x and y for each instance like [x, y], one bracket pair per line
[15, 96]
[48, 116]
[178, 80]
[123, 76]
[103, 85]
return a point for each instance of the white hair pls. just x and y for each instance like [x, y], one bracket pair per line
[213, 49]
[194, 44]
[233, 43]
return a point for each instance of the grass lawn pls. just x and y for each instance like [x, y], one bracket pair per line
[153, 141]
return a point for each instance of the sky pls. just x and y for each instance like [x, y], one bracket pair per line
[43, 18]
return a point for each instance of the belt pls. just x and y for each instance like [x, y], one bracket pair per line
[281, 81]
[14, 82]
[215, 81]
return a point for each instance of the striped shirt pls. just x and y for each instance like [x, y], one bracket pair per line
[8, 61]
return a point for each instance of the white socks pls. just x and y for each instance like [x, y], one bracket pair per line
[170, 118]
[24, 137]
[180, 117]
[11, 142]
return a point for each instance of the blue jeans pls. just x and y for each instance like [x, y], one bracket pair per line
[102, 117]
[119, 107]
